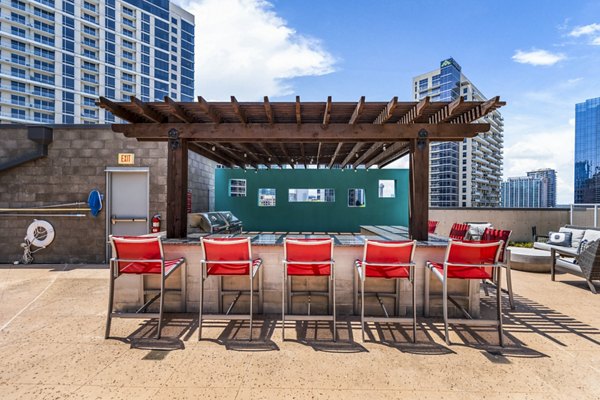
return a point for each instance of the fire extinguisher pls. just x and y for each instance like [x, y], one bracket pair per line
[156, 223]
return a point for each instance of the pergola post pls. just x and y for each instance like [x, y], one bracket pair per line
[419, 187]
[177, 181]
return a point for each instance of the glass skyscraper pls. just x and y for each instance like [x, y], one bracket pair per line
[58, 56]
[587, 151]
[466, 174]
[522, 192]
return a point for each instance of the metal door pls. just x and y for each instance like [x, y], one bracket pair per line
[127, 202]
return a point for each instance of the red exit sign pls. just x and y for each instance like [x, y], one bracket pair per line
[126, 158]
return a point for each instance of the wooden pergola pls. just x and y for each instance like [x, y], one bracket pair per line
[326, 134]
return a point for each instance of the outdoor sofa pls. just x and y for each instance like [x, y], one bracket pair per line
[580, 258]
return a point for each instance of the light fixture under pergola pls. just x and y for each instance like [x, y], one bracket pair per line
[328, 134]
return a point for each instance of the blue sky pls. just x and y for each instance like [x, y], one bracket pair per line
[541, 57]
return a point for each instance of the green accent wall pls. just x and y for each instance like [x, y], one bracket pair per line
[312, 216]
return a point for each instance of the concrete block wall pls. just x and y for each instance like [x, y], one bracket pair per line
[75, 165]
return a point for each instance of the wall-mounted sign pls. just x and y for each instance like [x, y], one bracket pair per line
[126, 158]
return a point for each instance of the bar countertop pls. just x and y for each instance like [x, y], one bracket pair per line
[384, 233]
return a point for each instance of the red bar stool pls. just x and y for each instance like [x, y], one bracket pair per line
[139, 255]
[432, 226]
[495, 235]
[465, 260]
[386, 260]
[229, 257]
[458, 231]
[308, 257]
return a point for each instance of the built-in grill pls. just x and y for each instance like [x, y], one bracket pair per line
[216, 222]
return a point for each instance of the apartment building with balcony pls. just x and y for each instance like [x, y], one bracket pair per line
[467, 174]
[58, 56]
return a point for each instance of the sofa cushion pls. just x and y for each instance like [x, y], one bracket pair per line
[590, 235]
[568, 266]
[542, 246]
[476, 231]
[561, 239]
[577, 235]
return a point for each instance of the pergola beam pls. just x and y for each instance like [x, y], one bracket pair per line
[357, 110]
[374, 147]
[394, 148]
[387, 112]
[117, 110]
[238, 110]
[305, 133]
[448, 112]
[270, 154]
[327, 113]
[269, 110]
[353, 153]
[335, 154]
[146, 111]
[208, 153]
[209, 110]
[177, 111]
[298, 111]
[416, 112]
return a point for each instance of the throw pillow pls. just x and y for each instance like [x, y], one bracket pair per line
[560, 239]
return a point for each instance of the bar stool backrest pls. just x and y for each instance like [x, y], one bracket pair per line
[393, 252]
[458, 231]
[138, 251]
[473, 254]
[432, 226]
[491, 234]
[308, 253]
[234, 252]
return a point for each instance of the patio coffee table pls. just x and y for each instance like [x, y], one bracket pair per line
[529, 260]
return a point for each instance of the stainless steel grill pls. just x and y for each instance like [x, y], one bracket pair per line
[216, 222]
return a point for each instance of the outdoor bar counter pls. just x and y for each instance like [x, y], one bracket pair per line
[131, 290]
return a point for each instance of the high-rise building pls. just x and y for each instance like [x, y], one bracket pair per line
[522, 192]
[466, 174]
[58, 56]
[548, 189]
[587, 151]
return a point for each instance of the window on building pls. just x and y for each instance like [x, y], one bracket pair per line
[267, 197]
[237, 188]
[356, 198]
[387, 188]
[311, 195]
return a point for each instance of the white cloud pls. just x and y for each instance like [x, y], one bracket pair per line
[537, 57]
[596, 41]
[244, 48]
[585, 30]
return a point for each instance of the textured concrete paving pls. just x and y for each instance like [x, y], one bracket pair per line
[52, 347]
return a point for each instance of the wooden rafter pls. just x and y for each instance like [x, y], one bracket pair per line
[146, 111]
[209, 110]
[335, 154]
[318, 154]
[357, 110]
[272, 157]
[239, 160]
[327, 113]
[208, 153]
[287, 155]
[269, 110]
[393, 157]
[395, 148]
[177, 111]
[118, 110]
[353, 154]
[448, 112]
[387, 112]
[416, 112]
[303, 154]
[370, 152]
[238, 110]
[298, 111]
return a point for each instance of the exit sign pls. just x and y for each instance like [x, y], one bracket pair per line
[126, 158]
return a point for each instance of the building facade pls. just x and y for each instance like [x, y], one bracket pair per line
[466, 174]
[58, 56]
[523, 192]
[548, 178]
[587, 151]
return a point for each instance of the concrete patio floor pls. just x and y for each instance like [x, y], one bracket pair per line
[52, 347]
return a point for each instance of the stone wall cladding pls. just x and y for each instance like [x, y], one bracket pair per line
[76, 163]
